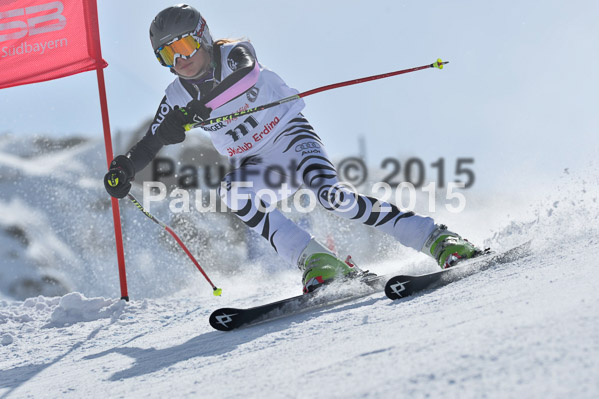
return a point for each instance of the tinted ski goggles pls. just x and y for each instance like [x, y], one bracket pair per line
[184, 46]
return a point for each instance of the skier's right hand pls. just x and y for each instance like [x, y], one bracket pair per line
[118, 179]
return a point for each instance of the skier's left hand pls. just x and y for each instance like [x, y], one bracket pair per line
[172, 129]
[198, 111]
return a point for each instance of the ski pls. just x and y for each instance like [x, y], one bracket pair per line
[395, 286]
[401, 286]
[227, 319]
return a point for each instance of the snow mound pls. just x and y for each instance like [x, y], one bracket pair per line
[7, 339]
[75, 308]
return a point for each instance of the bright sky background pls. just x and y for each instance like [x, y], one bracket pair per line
[519, 96]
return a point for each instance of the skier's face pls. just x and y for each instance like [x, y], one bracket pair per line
[194, 65]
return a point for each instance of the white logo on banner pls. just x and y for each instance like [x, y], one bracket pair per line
[31, 25]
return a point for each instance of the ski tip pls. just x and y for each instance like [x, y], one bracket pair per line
[217, 291]
[225, 319]
[398, 287]
[439, 63]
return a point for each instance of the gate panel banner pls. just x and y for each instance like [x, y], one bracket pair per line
[42, 40]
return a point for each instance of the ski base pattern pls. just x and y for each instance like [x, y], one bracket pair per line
[401, 286]
[342, 290]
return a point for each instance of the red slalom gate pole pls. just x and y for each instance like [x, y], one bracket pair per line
[116, 214]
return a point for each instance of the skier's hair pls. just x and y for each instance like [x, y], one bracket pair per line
[229, 40]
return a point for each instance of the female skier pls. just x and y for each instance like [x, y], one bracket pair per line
[225, 76]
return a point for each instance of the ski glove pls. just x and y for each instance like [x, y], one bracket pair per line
[199, 111]
[172, 129]
[118, 179]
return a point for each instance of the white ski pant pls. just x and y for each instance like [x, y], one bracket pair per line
[295, 157]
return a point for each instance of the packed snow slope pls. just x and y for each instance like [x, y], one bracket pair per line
[529, 328]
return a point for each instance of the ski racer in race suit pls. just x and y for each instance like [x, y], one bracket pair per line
[222, 77]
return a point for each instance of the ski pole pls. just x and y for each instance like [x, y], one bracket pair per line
[216, 291]
[437, 64]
